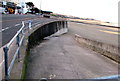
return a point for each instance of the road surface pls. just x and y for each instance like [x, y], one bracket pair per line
[94, 32]
[61, 57]
[12, 23]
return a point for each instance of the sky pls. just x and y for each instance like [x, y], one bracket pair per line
[104, 10]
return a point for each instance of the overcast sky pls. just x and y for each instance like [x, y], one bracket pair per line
[105, 10]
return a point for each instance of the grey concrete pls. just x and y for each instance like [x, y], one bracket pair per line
[44, 31]
[93, 32]
[63, 58]
[102, 42]
[100, 47]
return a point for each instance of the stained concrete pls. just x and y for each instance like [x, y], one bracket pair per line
[61, 57]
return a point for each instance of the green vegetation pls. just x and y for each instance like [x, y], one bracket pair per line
[24, 69]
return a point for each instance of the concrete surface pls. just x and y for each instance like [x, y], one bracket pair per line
[100, 38]
[107, 50]
[61, 57]
[98, 33]
[44, 31]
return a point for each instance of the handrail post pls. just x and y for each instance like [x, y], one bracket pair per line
[5, 49]
[30, 24]
[18, 42]
[23, 24]
[23, 33]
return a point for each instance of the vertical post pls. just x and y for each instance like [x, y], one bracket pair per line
[18, 42]
[30, 24]
[5, 49]
[66, 24]
[23, 24]
[57, 26]
[23, 33]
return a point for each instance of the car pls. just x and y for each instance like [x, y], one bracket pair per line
[46, 16]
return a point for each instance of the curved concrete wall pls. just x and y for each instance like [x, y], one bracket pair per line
[44, 31]
[32, 37]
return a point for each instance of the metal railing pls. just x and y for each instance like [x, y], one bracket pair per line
[107, 78]
[19, 37]
[110, 77]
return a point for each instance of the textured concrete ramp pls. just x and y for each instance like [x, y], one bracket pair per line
[63, 58]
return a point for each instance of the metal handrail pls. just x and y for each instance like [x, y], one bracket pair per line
[109, 77]
[17, 52]
[11, 41]
[113, 77]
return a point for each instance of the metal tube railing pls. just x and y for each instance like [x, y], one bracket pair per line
[109, 77]
[19, 42]
[11, 41]
[5, 49]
